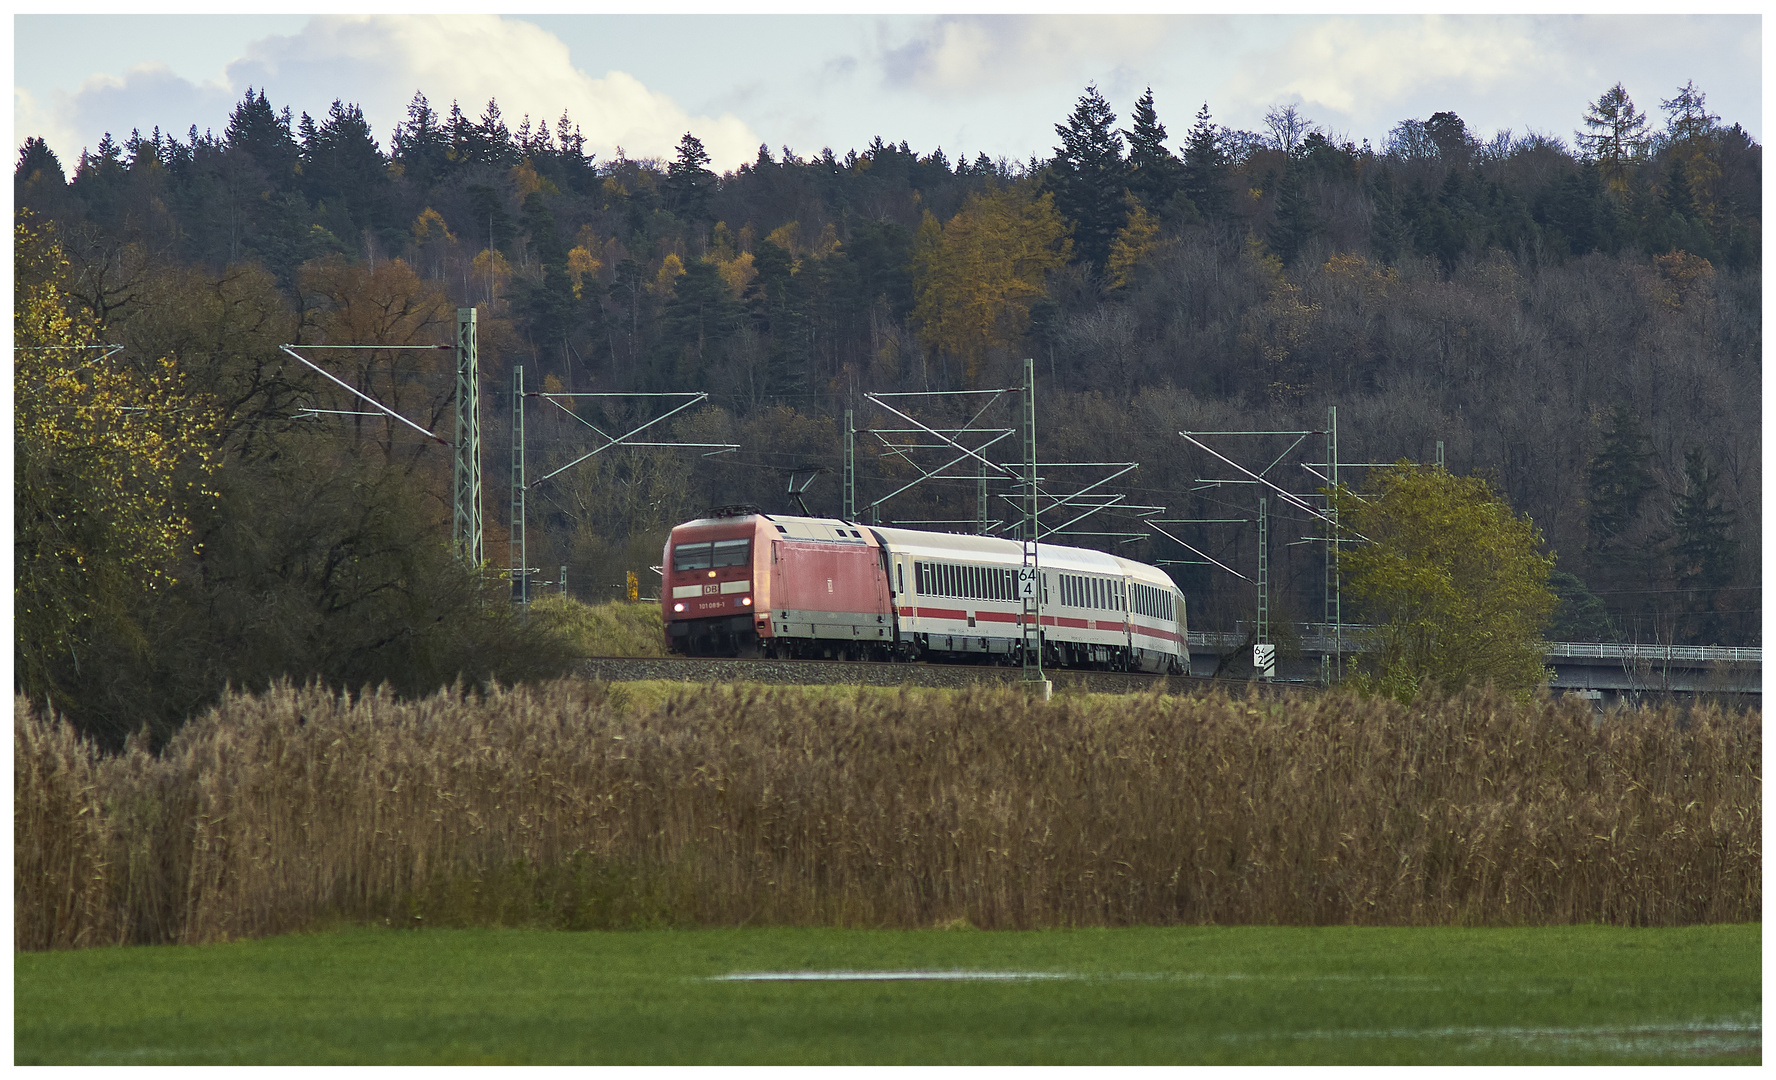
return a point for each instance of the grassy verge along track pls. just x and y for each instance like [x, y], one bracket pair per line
[1204, 995]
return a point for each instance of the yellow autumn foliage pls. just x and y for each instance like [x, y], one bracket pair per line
[581, 264]
[109, 452]
[429, 225]
[493, 267]
[975, 277]
[1132, 244]
[671, 269]
[738, 272]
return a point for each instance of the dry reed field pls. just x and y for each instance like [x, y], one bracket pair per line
[580, 804]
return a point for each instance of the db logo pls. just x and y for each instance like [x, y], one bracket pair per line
[711, 590]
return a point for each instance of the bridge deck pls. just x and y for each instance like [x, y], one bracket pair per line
[1595, 669]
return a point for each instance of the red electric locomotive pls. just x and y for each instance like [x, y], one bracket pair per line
[739, 582]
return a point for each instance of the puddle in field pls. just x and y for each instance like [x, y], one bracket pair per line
[886, 976]
[1002, 976]
[1699, 1037]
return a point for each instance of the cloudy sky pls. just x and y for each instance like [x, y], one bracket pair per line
[968, 84]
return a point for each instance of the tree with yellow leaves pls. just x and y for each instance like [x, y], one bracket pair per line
[975, 277]
[109, 451]
[1132, 245]
[1455, 583]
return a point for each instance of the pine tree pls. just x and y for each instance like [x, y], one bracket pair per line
[1704, 554]
[689, 183]
[38, 163]
[1687, 115]
[1389, 237]
[1617, 479]
[495, 138]
[1295, 220]
[420, 144]
[343, 167]
[1678, 198]
[465, 144]
[1205, 173]
[1089, 177]
[263, 134]
[1155, 176]
[1616, 135]
[1581, 616]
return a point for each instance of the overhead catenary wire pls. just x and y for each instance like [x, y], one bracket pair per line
[348, 388]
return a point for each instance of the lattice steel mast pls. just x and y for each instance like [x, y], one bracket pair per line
[465, 500]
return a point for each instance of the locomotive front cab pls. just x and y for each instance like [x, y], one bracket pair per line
[707, 604]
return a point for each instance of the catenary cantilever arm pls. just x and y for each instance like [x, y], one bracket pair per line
[366, 397]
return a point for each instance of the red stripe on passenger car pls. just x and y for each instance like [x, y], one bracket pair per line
[996, 616]
[1155, 632]
[942, 613]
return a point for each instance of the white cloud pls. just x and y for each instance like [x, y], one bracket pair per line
[1364, 64]
[1003, 52]
[146, 96]
[379, 62]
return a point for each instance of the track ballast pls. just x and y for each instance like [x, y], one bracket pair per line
[869, 673]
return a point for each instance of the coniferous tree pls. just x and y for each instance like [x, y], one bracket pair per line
[35, 158]
[778, 310]
[548, 303]
[1089, 178]
[1581, 616]
[700, 315]
[689, 182]
[1678, 198]
[38, 181]
[1295, 221]
[495, 138]
[421, 144]
[1155, 176]
[1205, 173]
[465, 141]
[343, 168]
[1389, 236]
[1616, 134]
[263, 134]
[1578, 214]
[1617, 479]
[1704, 553]
[1687, 115]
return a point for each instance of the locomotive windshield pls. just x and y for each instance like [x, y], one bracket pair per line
[732, 552]
[707, 555]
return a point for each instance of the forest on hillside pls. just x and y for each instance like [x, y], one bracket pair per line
[1578, 321]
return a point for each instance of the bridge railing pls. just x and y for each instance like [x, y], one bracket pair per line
[1354, 637]
[1689, 654]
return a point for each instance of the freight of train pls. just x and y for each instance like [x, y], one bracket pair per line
[740, 582]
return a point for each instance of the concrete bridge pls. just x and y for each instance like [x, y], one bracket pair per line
[1605, 672]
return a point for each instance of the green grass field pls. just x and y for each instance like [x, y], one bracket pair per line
[1563, 995]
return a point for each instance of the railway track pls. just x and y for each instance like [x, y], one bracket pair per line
[871, 673]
